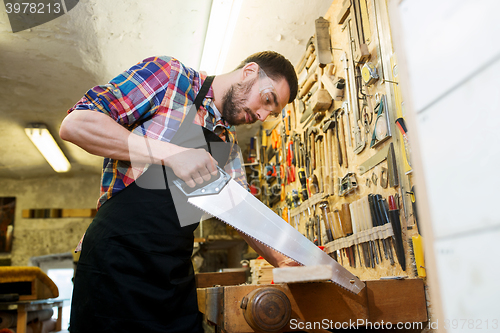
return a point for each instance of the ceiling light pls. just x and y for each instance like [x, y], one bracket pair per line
[43, 140]
[223, 17]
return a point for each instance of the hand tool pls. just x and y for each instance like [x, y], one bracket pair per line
[347, 184]
[392, 172]
[319, 241]
[313, 184]
[341, 227]
[319, 160]
[369, 73]
[342, 139]
[334, 88]
[366, 224]
[328, 156]
[384, 215]
[372, 222]
[308, 85]
[305, 57]
[302, 178]
[345, 107]
[359, 218]
[324, 206]
[374, 204]
[400, 123]
[352, 103]
[381, 130]
[358, 45]
[417, 241]
[310, 61]
[324, 236]
[336, 126]
[373, 161]
[355, 228]
[312, 131]
[324, 163]
[345, 217]
[329, 128]
[320, 100]
[418, 254]
[322, 42]
[396, 226]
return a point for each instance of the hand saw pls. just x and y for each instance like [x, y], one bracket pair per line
[228, 201]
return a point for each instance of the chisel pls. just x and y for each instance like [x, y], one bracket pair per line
[355, 227]
[384, 212]
[396, 226]
[348, 230]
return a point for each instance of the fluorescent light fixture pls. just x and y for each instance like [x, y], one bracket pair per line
[223, 17]
[43, 140]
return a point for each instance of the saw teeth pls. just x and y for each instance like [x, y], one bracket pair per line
[247, 234]
[266, 245]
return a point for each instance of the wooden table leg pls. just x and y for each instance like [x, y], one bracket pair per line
[59, 318]
[22, 319]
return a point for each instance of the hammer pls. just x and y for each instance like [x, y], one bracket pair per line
[312, 132]
[328, 128]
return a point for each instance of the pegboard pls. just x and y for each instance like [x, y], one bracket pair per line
[347, 143]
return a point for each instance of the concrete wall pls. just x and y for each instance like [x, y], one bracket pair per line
[37, 237]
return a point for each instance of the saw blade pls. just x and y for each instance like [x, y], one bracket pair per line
[237, 207]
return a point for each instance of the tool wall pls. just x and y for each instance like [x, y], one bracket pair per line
[336, 165]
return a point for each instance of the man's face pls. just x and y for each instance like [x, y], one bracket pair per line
[243, 102]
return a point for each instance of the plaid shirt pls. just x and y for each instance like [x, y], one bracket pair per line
[152, 99]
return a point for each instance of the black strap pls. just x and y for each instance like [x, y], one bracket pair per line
[203, 91]
[185, 132]
[198, 100]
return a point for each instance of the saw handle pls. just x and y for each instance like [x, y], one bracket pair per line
[213, 186]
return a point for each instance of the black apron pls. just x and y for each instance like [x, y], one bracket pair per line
[135, 273]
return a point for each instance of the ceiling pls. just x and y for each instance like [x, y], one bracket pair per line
[46, 69]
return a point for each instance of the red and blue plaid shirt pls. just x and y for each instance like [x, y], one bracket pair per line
[157, 94]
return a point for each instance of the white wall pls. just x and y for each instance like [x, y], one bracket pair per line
[452, 58]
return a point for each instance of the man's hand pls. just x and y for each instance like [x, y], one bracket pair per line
[193, 166]
[287, 262]
[100, 135]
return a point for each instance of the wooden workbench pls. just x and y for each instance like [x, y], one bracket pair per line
[382, 301]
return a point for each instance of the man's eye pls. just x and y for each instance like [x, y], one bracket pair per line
[267, 99]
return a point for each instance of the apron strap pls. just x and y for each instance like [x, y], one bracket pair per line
[197, 102]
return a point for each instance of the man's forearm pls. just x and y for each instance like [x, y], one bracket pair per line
[273, 257]
[100, 135]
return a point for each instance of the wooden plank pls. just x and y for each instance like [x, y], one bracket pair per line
[205, 280]
[302, 274]
[396, 301]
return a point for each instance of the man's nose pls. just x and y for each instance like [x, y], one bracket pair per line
[262, 114]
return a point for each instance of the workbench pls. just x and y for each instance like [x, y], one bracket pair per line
[329, 306]
[23, 307]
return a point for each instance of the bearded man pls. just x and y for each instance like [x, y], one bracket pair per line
[134, 273]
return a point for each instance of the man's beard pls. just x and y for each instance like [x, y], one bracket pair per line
[233, 103]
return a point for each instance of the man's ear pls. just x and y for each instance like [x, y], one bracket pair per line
[250, 70]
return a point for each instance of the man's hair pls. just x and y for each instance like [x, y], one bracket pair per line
[276, 67]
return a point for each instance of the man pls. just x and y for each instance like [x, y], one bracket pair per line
[134, 272]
